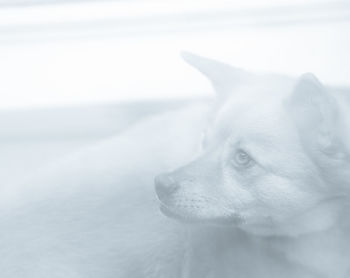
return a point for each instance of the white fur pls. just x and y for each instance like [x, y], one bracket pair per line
[95, 214]
[285, 208]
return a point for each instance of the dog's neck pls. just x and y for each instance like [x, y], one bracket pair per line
[324, 246]
[324, 217]
[316, 242]
[324, 252]
[318, 253]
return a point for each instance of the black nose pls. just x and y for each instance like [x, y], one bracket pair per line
[165, 185]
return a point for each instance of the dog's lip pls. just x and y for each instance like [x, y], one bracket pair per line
[167, 211]
[186, 218]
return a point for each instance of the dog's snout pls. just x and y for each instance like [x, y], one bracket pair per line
[165, 185]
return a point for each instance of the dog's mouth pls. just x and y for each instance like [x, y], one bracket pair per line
[194, 219]
[177, 215]
[172, 213]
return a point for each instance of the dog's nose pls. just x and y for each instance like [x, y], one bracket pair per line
[165, 185]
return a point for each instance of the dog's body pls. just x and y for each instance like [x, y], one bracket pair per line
[95, 214]
[274, 174]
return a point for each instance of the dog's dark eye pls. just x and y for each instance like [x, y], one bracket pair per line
[242, 159]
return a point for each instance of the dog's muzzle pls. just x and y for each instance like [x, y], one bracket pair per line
[165, 186]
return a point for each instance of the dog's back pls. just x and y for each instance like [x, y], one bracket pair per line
[94, 214]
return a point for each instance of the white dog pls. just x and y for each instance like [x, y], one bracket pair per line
[266, 197]
[274, 173]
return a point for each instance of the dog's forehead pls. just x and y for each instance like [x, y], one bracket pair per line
[253, 111]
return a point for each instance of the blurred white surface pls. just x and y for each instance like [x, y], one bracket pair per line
[85, 54]
[116, 50]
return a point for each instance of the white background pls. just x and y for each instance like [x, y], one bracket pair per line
[88, 52]
[64, 66]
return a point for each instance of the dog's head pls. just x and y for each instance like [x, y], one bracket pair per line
[264, 155]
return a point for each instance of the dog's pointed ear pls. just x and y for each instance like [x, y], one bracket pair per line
[314, 111]
[223, 77]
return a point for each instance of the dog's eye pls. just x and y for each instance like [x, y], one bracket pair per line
[242, 159]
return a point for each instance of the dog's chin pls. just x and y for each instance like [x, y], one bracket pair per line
[191, 218]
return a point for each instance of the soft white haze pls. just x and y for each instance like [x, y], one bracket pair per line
[121, 158]
[95, 52]
[266, 182]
